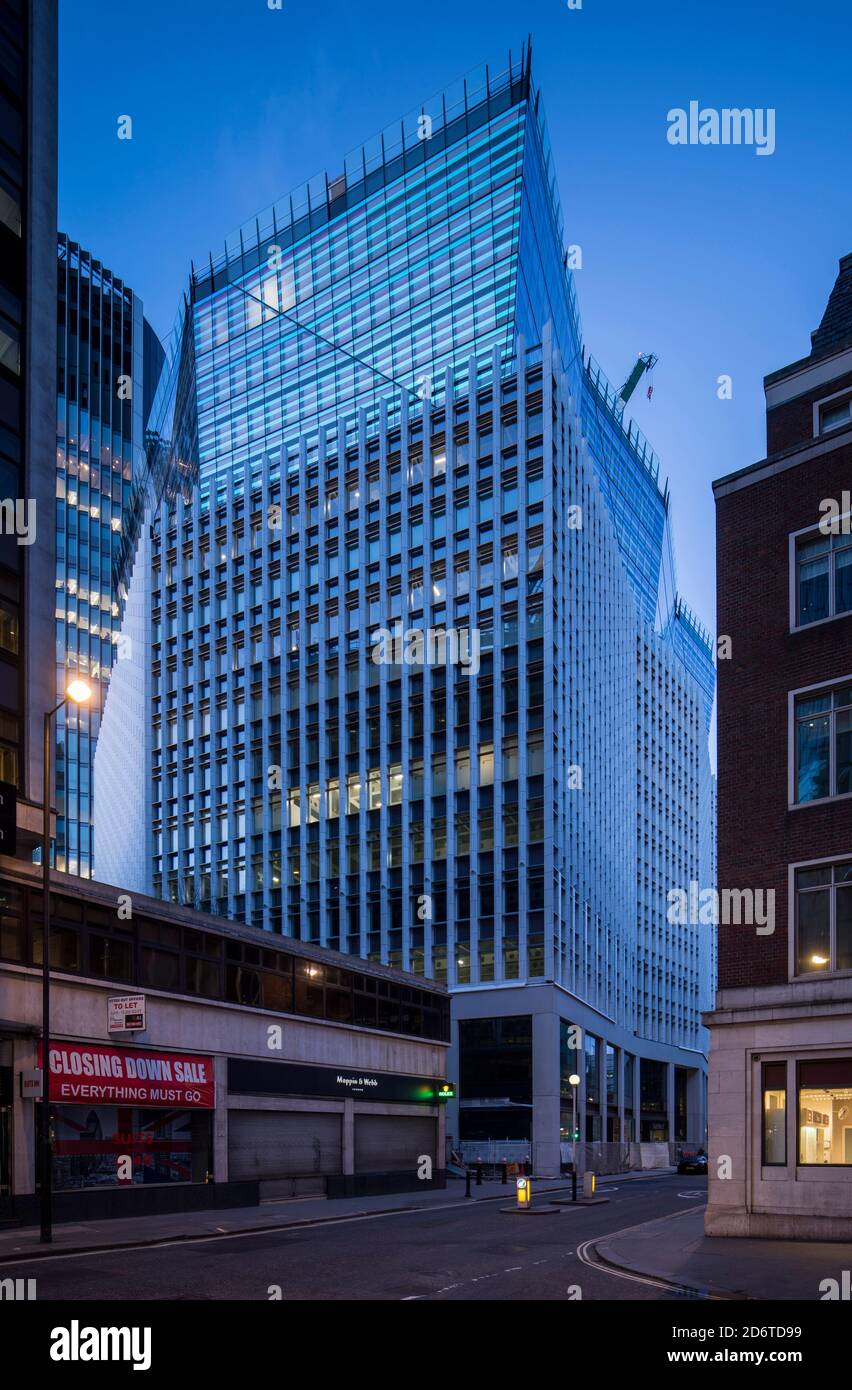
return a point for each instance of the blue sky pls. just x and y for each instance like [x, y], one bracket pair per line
[715, 258]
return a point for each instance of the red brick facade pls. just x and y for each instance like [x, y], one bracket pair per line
[758, 835]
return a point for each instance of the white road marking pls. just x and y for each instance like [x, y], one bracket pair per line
[585, 1257]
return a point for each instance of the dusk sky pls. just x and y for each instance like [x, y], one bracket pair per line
[716, 258]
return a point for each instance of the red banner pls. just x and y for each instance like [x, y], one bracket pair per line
[86, 1072]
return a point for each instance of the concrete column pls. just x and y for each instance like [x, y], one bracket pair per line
[670, 1099]
[696, 1108]
[619, 1089]
[545, 1123]
[348, 1136]
[602, 1089]
[24, 1058]
[220, 1119]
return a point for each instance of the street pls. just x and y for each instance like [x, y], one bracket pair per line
[457, 1251]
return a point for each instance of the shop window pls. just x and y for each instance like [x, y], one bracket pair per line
[774, 1108]
[165, 1146]
[825, 1112]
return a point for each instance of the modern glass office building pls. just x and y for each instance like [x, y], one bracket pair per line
[386, 423]
[108, 363]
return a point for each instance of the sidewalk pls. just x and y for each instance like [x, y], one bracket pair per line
[675, 1249]
[22, 1243]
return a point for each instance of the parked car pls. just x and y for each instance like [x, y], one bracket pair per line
[694, 1163]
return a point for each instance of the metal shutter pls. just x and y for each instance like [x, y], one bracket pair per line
[279, 1144]
[393, 1143]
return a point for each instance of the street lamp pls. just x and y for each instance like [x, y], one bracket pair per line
[574, 1083]
[79, 692]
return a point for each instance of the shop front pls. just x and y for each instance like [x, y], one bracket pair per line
[196, 1064]
[128, 1116]
[338, 1130]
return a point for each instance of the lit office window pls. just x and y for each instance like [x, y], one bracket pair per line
[824, 919]
[825, 1112]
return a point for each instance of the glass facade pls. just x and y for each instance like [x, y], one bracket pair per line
[14, 113]
[398, 429]
[370, 285]
[108, 361]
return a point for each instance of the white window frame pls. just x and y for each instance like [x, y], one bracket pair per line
[819, 432]
[808, 976]
[793, 540]
[792, 696]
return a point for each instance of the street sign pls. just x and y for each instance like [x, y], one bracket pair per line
[127, 1014]
[31, 1085]
[8, 818]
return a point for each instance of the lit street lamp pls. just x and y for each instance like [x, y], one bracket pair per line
[80, 693]
[574, 1082]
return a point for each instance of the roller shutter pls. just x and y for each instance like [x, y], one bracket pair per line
[393, 1143]
[277, 1144]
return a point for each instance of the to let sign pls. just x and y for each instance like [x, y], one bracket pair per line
[126, 1014]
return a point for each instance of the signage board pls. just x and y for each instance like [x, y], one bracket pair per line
[84, 1072]
[126, 1013]
[253, 1077]
[31, 1086]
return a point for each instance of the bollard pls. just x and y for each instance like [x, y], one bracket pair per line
[479, 1172]
[467, 1182]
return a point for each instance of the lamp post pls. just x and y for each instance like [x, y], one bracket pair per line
[574, 1082]
[80, 693]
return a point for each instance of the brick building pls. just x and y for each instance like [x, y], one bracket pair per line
[780, 1105]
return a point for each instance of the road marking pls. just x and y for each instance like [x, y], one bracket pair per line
[481, 1278]
[311, 1225]
[186, 1241]
[587, 1249]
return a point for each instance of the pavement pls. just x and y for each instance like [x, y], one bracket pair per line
[22, 1242]
[675, 1250]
